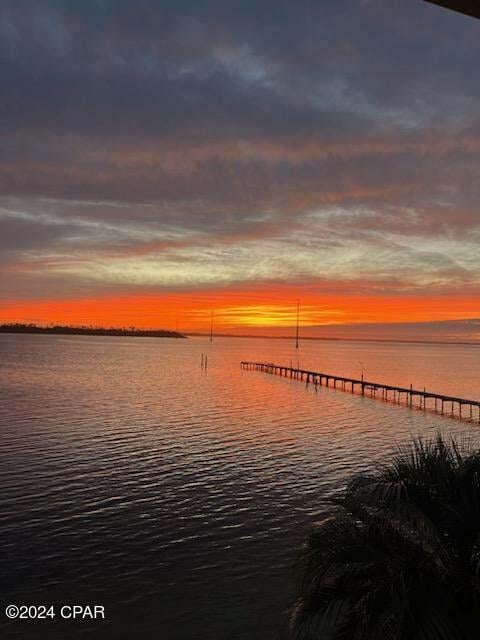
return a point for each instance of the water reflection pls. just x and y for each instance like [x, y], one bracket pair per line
[175, 495]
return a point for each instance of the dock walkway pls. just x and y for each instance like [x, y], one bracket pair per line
[464, 408]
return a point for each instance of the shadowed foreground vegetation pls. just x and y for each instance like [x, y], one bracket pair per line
[90, 331]
[399, 558]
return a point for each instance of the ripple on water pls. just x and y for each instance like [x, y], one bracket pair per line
[180, 497]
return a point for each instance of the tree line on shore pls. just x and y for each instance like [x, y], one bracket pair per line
[91, 330]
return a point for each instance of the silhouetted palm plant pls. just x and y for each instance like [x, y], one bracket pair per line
[399, 559]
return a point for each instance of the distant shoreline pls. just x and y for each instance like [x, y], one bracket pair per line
[19, 328]
[66, 330]
[336, 339]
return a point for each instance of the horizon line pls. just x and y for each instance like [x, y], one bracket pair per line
[332, 338]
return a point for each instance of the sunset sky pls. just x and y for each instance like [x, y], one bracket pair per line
[161, 158]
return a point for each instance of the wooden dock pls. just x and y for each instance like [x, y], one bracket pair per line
[449, 405]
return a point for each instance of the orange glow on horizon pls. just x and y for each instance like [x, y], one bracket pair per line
[238, 311]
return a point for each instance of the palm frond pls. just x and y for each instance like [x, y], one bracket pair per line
[399, 556]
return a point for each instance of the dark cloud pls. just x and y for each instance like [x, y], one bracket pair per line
[155, 127]
[27, 234]
[206, 69]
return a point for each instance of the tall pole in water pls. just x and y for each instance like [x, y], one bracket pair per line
[211, 326]
[298, 322]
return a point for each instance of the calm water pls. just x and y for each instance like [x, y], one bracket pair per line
[177, 497]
